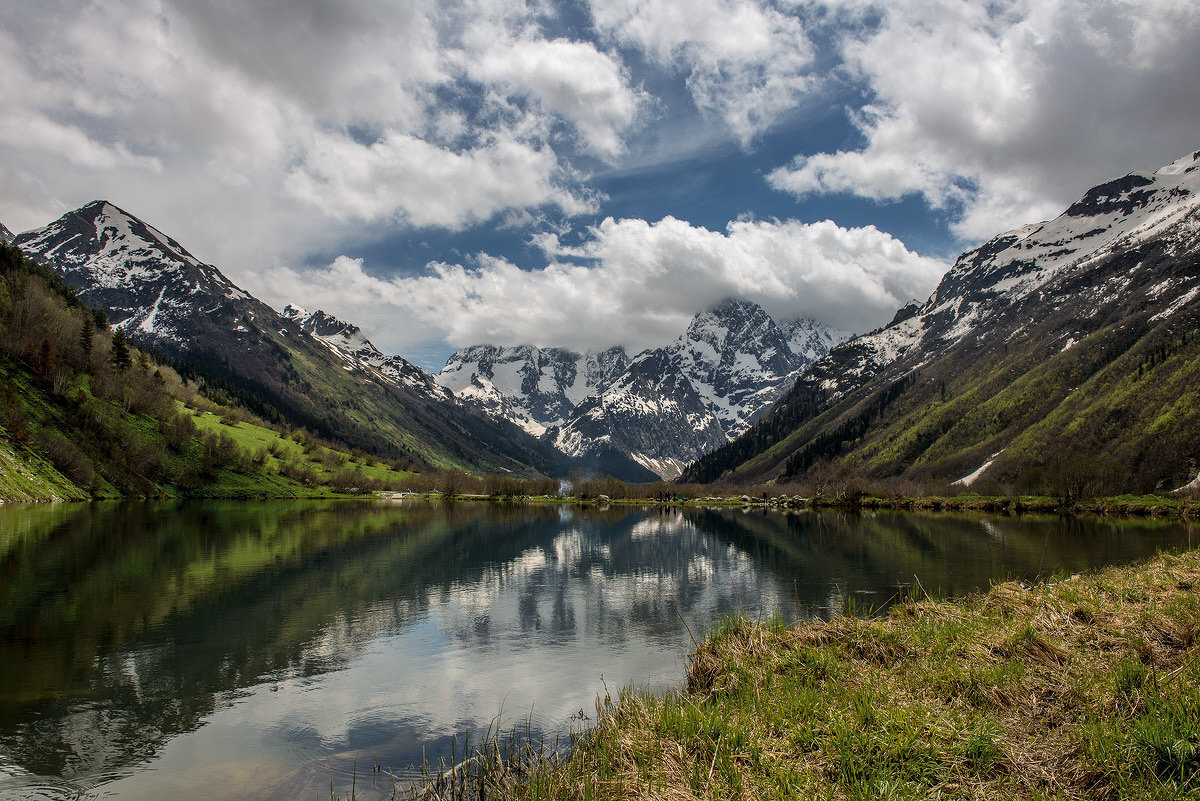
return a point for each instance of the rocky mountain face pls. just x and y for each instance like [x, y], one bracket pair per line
[6, 235]
[536, 388]
[302, 370]
[664, 408]
[347, 342]
[1072, 340]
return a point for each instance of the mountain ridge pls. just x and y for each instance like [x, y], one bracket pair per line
[664, 407]
[190, 314]
[1018, 360]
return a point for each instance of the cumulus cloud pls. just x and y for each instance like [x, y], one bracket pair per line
[572, 80]
[1003, 112]
[407, 177]
[747, 63]
[267, 116]
[631, 282]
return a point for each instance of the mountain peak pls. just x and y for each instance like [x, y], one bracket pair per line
[6, 235]
[1029, 316]
[294, 313]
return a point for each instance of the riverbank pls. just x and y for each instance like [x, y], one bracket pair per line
[1087, 687]
[1150, 506]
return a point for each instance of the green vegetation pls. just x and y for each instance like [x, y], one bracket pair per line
[1113, 410]
[1087, 687]
[85, 415]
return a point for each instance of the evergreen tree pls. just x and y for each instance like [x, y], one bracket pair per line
[120, 351]
[85, 338]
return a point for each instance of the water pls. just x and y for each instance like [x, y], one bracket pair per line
[271, 650]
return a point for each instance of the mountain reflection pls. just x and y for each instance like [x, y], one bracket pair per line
[364, 629]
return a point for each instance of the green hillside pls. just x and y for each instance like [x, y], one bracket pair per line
[1055, 399]
[84, 415]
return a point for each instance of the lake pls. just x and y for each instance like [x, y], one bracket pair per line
[270, 650]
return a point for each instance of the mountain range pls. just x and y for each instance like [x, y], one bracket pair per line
[1063, 352]
[664, 407]
[189, 314]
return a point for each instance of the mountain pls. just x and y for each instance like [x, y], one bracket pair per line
[664, 408]
[536, 388]
[190, 314]
[1062, 351]
[347, 342]
[6, 235]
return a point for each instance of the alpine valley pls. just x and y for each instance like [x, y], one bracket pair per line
[1061, 355]
[663, 408]
[302, 370]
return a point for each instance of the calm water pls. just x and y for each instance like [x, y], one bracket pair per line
[264, 650]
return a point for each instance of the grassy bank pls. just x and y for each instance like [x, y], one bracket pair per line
[1088, 687]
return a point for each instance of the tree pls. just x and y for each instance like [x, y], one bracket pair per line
[85, 338]
[120, 351]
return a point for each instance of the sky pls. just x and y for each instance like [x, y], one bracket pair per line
[585, 173]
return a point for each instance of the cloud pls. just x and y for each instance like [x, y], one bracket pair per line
[747, 63]
[571, 80]
[405, 177]
[631, 282]
[268, 130]
[1004, 112]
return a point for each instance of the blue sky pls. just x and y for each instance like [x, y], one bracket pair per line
[586, 172]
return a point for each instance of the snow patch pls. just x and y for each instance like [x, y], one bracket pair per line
[972, 477]
[1177, 304]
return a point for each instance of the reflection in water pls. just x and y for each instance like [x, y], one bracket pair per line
[238, 650]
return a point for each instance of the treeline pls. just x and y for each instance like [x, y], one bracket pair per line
[113, 421]
[75, 387]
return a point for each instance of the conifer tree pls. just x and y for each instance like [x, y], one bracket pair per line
[85, 338]
[120, 351]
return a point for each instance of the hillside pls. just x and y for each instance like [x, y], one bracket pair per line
[191, 316]
[1062, 355]
[84, 415]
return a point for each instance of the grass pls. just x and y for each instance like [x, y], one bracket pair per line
[1088, 687]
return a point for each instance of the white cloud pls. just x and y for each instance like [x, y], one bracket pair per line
[1006, 111]
[408, 178]
[632, 282]
[572, 80]
[265, 131]
[747, 63]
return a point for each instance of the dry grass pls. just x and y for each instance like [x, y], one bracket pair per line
[1087, 688]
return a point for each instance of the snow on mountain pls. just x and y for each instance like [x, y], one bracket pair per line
[1121, 259]
[348, 343]
[740, 361]
[536, 388]
[6, 235]
[1050, 259]
[149, 283]
[665, 407]
[651, 412]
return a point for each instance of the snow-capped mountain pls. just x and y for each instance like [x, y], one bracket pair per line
[652, 413]
[1056, 260]
[316, 372]
[666, 407]
[145, 281]
[6, 235]
[536, 388]
[1020, 331]
[347, 342]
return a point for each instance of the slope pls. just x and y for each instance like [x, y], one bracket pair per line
[1059, 356]
[190, 314]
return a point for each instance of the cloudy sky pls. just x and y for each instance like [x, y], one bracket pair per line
[585, 172]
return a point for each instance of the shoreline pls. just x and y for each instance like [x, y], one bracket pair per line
[1084, 687]
[1120, 507]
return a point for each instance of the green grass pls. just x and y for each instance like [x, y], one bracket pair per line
[1088, 687]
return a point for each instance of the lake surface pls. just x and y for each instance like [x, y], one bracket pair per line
[268, 650]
